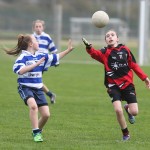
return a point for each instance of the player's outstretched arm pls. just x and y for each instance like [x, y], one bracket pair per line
[68, 50]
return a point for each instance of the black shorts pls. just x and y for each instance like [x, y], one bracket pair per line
[128, 94]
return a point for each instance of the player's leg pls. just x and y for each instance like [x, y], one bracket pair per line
[121, 119]
[132, 110]
[132, 106]
[119, 113]
[26, 93]
[51, 95]
[45, 114]
[42, 108]
[33, 114]
[115, 94]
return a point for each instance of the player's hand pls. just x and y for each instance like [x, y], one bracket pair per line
[70, 47]
[40, 61]
[86, 43]
[147, 82]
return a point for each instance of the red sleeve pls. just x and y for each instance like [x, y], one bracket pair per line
[139, 72]
[95, 54]
[135, 67]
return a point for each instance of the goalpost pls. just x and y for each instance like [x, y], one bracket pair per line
[144, 54]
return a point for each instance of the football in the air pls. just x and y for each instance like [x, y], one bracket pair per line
[100, 19]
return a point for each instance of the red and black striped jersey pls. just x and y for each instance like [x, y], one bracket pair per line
[119, 64]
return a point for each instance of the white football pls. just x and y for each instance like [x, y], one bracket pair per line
[100, 19]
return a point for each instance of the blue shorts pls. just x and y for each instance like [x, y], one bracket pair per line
[28, 92]
[128, 94]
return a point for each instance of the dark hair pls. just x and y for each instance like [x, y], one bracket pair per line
[23, 42]
[113, 31]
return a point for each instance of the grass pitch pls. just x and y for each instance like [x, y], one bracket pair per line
[82, 118]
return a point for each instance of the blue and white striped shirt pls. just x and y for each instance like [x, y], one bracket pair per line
[33, 78]
[46, 43]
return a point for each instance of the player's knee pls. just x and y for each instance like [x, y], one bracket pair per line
[133, 109]
[119, 111]
[134, 112]
[46, 115]
[34, 108]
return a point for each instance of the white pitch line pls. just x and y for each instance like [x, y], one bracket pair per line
[79, 62]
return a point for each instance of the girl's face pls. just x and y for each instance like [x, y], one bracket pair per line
[111, 38]
[38, 28]
[34, 44]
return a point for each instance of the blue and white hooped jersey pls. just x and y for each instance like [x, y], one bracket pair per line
[46, 43]
[33, 78]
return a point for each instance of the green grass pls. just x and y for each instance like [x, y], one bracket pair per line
[83, 116]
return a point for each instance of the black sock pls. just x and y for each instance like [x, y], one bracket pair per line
[49, 94]
[40, 130]
[35, 131]
[125, 131]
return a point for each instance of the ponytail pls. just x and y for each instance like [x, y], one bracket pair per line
[23, 42]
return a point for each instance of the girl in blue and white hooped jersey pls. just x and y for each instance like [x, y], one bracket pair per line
[46, 45]
[29, 67]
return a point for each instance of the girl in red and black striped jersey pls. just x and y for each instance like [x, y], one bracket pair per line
[119, 64]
